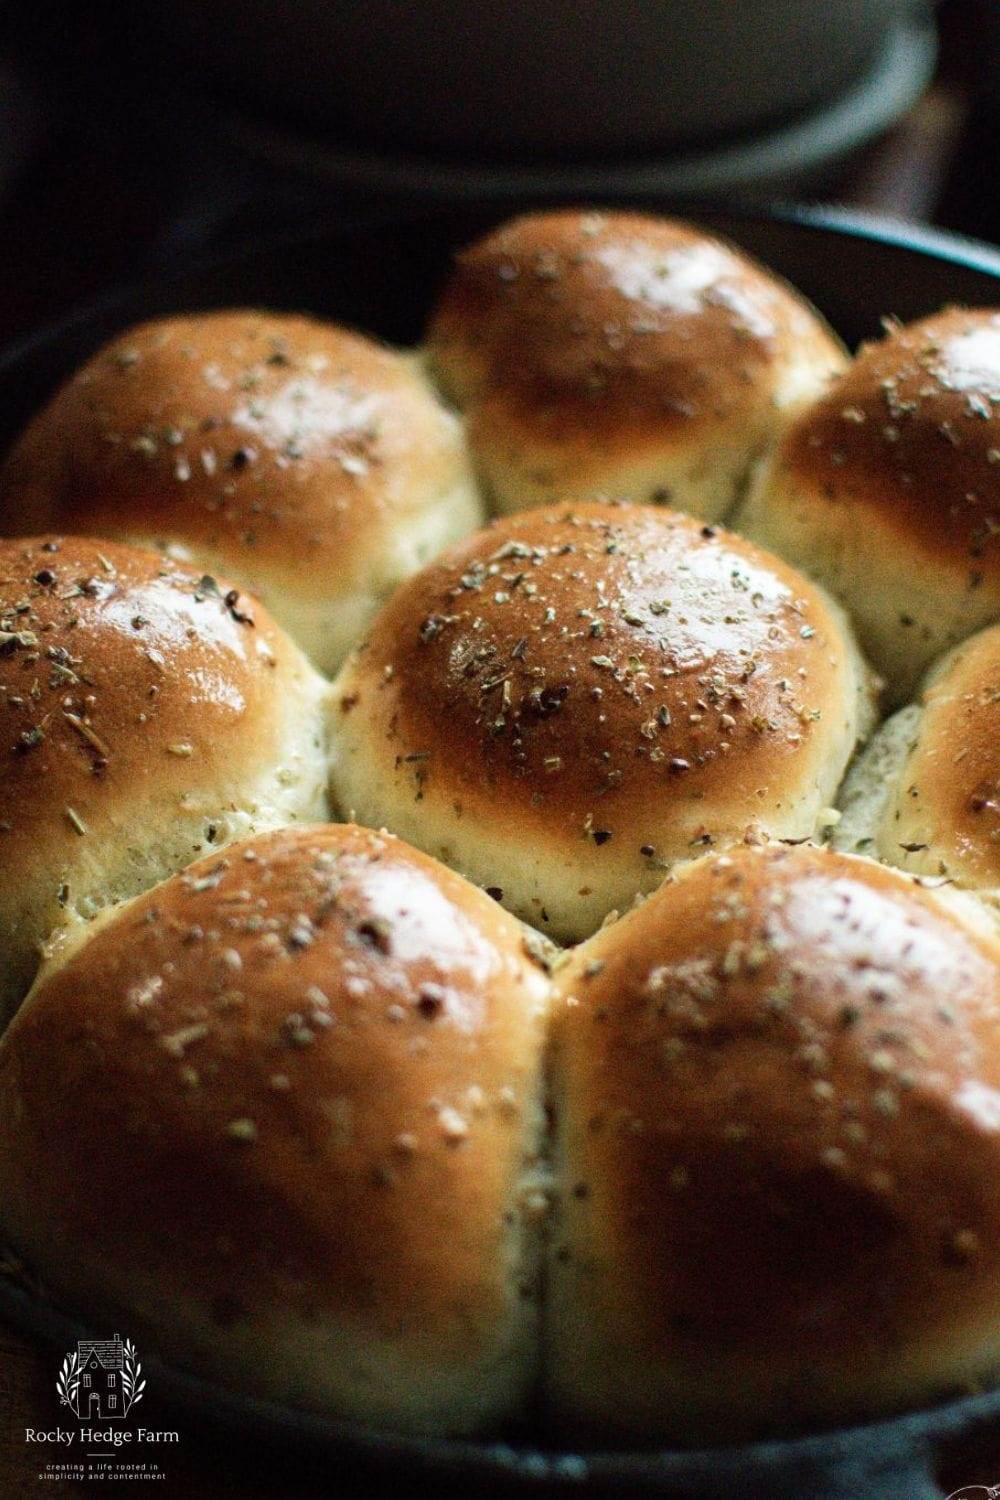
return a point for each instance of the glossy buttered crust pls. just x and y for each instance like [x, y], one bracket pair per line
[313, 465]
[146, 712]
[615, 353]
[925, 795]
[776, 1090]
[284, 1109]
[888, 490]
[290, 1100]
[565, 703]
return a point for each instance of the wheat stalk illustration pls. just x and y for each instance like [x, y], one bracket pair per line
[133, 1384]
[68, 1382]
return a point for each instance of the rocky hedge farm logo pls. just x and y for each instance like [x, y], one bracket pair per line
[102, 1380]
[100, 1383]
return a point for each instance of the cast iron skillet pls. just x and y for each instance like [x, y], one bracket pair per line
[382, 276]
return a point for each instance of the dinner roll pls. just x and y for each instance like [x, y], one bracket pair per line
[619, 354]
[925, 794]
[146, 713]
[314, 466]
[564, 704]
[777, 1096]
[280, 1114]
[888, 491]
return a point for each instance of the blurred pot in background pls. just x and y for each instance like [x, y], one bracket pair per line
[436, 98]
[561, 77]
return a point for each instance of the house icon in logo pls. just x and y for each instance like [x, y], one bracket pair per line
[101, 1380]
[100, 1395]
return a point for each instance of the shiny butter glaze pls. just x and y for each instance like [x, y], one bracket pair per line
[147, 711]
[604, 673]
[119, 668]
[780, 1125]
[294, 1080]
[614, 321]
[285, 450]
[911, 433]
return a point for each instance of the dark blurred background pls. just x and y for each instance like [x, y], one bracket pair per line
[134, 134]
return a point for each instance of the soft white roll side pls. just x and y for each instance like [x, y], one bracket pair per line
[925, 794]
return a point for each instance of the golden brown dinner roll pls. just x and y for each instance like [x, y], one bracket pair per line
[888, 491]
[574, 698]
[925, 794]
[314, 466]
[280, 1114]
[777, 1095]
[617, 354]
[146, 713]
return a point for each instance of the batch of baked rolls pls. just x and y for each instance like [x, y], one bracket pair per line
[467, 972]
